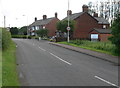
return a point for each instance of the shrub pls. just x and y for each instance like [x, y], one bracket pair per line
[6, 38]
[19, 36]
[104, 46]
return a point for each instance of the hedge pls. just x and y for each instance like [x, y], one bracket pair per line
[6, 38]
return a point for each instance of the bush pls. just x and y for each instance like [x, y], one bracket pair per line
[6, 38]
[104, 46]
[19, 36]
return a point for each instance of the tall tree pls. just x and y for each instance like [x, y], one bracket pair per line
[116, 33]
[23, 30]
[42, 32]
[14, 30]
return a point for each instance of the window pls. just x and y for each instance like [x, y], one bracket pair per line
[33, 28]
[37, 27]
[104, 26]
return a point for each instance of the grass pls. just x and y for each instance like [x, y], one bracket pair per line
[0, 68]
[9, 72]
[103, 47]
[0, 57]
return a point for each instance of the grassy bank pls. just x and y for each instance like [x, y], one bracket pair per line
[103, 47]
[0, 57]
[0, 68]
[9, 72]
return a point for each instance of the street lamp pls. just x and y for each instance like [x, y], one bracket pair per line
[68, 28]
[27, 25]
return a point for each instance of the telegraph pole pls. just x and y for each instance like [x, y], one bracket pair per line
[4, 21]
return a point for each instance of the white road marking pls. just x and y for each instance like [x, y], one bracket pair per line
[106, 81]
[42, 49]
[60, 59]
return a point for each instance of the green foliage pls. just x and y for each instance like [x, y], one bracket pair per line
[14, 30]
[23, 30]
[42, 32]
[105, 47]
[116, 33]
[19, 36]
[0, 38]
[62, 26]
[9, 72]
[6, 38]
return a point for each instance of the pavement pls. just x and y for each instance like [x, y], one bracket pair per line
[103, 56]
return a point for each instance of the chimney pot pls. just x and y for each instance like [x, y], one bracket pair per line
[95, 14]
[85, 8]
[56, 15]
[35, 18]
[44, 17]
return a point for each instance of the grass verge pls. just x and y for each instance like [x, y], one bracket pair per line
[0, 68]
[9, 71]
[89, 47]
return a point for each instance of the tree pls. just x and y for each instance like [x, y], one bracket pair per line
[14, 30]
[23, 30]
[115, 38]
[62, 26]
[42, 32]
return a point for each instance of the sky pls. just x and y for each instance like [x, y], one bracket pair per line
[20, 13]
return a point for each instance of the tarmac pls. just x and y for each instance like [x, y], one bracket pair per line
[113, 59]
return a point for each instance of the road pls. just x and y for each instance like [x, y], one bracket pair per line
[42, 64]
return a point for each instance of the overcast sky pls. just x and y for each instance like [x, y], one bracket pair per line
[22, 12]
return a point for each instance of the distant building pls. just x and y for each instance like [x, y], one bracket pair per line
[87, 25]
[45, 23]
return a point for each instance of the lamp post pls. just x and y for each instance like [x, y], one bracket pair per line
[27, 25]
[4, 21]
[68, 28]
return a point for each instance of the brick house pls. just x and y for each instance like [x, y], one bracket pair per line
[45, 23]
[85, 23]
[102, 34]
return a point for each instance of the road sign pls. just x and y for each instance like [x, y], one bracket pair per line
[68, 28]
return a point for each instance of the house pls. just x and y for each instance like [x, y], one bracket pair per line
[45, 23]
[85, 23]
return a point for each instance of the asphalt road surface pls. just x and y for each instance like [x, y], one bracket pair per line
[42, 64]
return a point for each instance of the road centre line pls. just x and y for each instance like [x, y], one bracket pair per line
[60, 59]
[42, 49]
[106, 81]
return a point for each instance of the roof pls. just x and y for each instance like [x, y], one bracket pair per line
[102, 31]
[42, 22]
[101, 20]
[74, 16]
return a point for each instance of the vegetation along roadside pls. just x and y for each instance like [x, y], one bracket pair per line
[9, 71]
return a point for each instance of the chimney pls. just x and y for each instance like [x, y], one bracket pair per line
[56, 15]
[95, 14]
[85, 8]
[35, 18]
[69, 12]
[44, 17]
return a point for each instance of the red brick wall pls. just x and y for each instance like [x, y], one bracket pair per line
[84, 24]
[52, 27]
[104, 37]
[101, 26]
